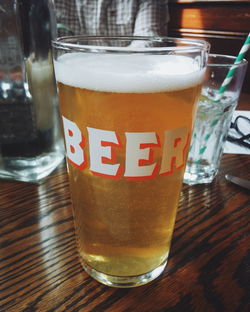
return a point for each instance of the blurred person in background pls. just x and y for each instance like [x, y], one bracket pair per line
[112, 17]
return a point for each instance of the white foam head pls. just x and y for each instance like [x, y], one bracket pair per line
[127, 73]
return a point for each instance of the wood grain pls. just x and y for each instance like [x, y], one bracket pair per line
[208, 268]
[211, 16]
[224, 24]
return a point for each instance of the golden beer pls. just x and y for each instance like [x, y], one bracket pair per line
[124, 225]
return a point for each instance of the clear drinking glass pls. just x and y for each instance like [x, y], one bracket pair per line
[128, 107]
[31, 143]
[213, 119]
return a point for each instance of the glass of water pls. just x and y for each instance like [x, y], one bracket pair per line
[213, 119]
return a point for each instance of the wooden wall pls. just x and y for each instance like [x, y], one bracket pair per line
[225, 24]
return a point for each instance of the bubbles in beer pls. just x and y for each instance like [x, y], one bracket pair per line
[131, 73]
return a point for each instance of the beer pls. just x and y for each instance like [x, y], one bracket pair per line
[124, 221]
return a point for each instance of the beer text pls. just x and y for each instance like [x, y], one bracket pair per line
[139, 163]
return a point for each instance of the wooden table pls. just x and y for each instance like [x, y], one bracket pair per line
[208, 268]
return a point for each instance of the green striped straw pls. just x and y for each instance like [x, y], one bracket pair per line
[232, 70]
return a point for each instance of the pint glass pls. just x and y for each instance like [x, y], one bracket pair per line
[128, 107]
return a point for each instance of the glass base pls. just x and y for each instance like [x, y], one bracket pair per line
[199, 174]
[124, 281]
[30, 169]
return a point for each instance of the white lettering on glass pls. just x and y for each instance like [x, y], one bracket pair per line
[139, 154]
[175, 144]
[74, 143]
[102, 154]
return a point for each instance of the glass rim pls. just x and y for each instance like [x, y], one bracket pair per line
[226, 57]
[68, 43]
